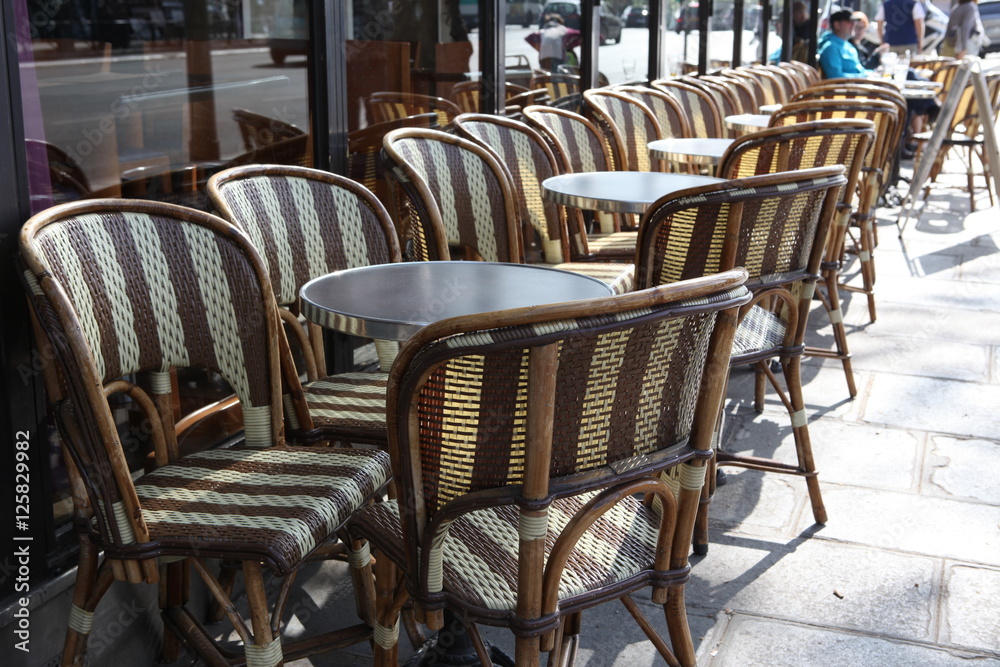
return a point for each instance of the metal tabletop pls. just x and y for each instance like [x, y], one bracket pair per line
[394, 301]
[748, 122]
[769, 109]
[693, 150]
[617, 191]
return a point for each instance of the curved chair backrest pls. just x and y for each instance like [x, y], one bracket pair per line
[759, 91]
[746, 101]
[457, 196]
[573, 138]
[386, 106]
[559, 85]
[529, 161]
[126, 286]
[885, 114]
[615, 390]
[799, 75]
[774, 88]
[725, 97]
[811, 73]
[365, 145]
[258, 130]
[702, 113]
[626, 122]
[466, 95]
[772, 225]
[789, 81]
[821, 143]
[69, 181]
[668, 111]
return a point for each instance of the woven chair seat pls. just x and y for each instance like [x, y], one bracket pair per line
[617, 244]
[759, 330]
[480, 552]
[620, 277]
[278, 502]
[348, 402]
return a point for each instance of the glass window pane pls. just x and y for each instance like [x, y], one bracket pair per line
[148, 99]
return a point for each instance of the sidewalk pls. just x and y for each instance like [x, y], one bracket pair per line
[907, 571]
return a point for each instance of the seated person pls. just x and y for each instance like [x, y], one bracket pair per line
[838, 57]
[869, 54]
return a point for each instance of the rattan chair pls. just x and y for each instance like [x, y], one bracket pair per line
[881, 155]
[667, 110]
[726, 97]
[965, 132]
[755, 83]
[306, 223]
[562, 88]
[702, 113]
[388, 105]
[522, 441]
[628, 124]
[774, 226]
[462, 205]
[819, 143]
[121, 287]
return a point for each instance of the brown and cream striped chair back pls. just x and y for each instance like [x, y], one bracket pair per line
[523, 439]
[631, 124]
[529, 161]
[667, 110]
[559, 86]
[573, 138]
[702, 113]
[121, 287]
[455, 195]
[386, 106]
[305, 223]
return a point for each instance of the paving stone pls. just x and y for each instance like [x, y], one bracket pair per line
[965, 469]
[931, 358]
[943, 294]
[816, 581]
[970, 615]
[983, 268]
[907, 522]
[758, 503]
[963, 409]
[792, 645]
[921, 322]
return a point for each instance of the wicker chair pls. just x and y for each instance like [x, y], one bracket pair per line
[121, 287]
[364, 147]
[667, 110]
[774, 226]
[461, 203]
[538, 429]
[881, 155]
[579, 145]
[306, 223]
[756, 85]
[774, 88]
[702, 113]
[628, 124]
[724, 92]
[820, 143]
[386, 106]
[965, 132]
[559, 86]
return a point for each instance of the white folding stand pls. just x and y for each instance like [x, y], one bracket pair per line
[969, 67]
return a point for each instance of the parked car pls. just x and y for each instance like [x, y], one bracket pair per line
[686, 19]
[636, 16]
[525, 14]
[989, 12]
[569, 10]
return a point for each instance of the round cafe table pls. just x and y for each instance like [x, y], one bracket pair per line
[748, 122]
[689, 150]
[769, 109]
[394, 301]
[617, 191]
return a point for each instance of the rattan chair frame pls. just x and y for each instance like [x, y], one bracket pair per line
[390, 105]
[702, 113]
[89, 326]
[628, 124]
[717, 229]
[841, 141]
[541, 617]
[889, 127]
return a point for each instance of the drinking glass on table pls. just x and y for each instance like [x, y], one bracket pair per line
[628, 67]
[889, 61]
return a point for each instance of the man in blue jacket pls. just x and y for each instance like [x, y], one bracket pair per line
[837, 57]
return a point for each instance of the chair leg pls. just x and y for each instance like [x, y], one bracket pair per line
[92, 582]
[800, 432]
[363, 579]
[265, 648]
[700, 539]
[678, 628]
[970, 181]
[386, 626]
[527, 651]
[836, 313]
[760, 385]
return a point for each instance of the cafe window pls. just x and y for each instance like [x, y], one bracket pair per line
[148, 99]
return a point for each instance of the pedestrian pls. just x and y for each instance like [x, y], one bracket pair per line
[552, 49]
[965, 31]
[901, 25]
